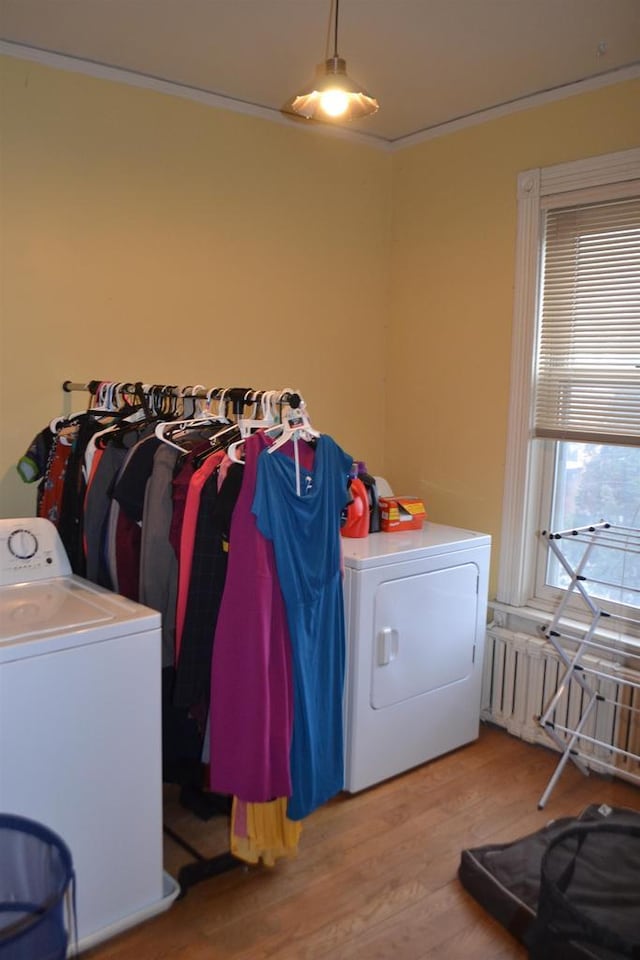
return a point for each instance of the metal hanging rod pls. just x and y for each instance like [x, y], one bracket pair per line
[239, 397]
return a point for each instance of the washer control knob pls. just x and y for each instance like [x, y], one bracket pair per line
[22, 544]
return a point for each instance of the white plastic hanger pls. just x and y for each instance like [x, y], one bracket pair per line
[248, 426]
[102, 401]
[111, 403]
[203, 417]
[296, 426]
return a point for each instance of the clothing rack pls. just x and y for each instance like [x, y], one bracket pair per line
[201, 867]
[154, 397]
[607, 686]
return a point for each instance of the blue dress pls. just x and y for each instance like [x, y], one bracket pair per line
[305, 530]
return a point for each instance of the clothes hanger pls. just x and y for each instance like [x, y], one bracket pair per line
[221, 438]
[164, 429]
[129, 410]
[115, 401]
[219, 441]
[295, 425]
[101, 402]
[134, 406]
[277, 400]
[189, 394]
[248, 426]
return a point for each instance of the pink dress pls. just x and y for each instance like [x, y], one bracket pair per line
[251, 713]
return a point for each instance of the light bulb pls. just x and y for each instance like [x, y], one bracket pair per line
[334, 102]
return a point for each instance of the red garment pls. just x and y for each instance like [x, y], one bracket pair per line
[180, 487]
[128, 538]
[188, 536]
[51, 501]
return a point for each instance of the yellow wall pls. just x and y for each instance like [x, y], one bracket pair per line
[146, 237]
[149, 237]
[453, 246]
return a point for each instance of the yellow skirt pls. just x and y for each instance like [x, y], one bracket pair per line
[262, 831]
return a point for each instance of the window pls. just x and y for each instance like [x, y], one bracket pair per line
[587, 482]
[574, 430]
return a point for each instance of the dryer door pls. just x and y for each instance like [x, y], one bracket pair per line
[424, 633]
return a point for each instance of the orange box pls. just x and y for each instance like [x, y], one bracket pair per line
[401, 513]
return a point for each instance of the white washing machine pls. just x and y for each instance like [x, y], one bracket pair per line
[80, 727]
[416, 606]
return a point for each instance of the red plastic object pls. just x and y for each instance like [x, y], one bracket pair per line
[357, 522]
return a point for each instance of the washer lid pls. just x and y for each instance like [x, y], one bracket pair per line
[382, 548]
[62, 612]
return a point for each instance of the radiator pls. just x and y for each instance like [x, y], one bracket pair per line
[521, 675]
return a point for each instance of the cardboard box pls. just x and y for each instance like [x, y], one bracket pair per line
[401, 513]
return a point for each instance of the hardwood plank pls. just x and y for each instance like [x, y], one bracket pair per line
[376, 875]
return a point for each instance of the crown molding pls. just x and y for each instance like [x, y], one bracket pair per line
[631, 72]
[158, 85]
[100, 71]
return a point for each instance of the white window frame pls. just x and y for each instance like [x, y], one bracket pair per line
[524, 458]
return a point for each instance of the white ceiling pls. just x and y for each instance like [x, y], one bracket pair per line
[427, 61]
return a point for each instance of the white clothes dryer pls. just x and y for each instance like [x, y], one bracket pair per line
[415, 604]
[80, 727]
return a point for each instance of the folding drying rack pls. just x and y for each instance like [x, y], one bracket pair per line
[599, 687]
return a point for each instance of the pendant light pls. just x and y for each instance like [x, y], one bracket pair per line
[335, 96]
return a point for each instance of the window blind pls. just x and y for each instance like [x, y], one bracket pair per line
[587, 384]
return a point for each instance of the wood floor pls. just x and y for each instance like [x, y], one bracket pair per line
[375, 876]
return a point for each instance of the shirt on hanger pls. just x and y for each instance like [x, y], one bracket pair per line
[305, 530]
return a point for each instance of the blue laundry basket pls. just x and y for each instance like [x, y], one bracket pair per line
[36, 882]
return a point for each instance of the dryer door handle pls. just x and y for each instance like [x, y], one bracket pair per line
[388, 642]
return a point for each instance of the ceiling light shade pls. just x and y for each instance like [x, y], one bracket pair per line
[334, 96]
